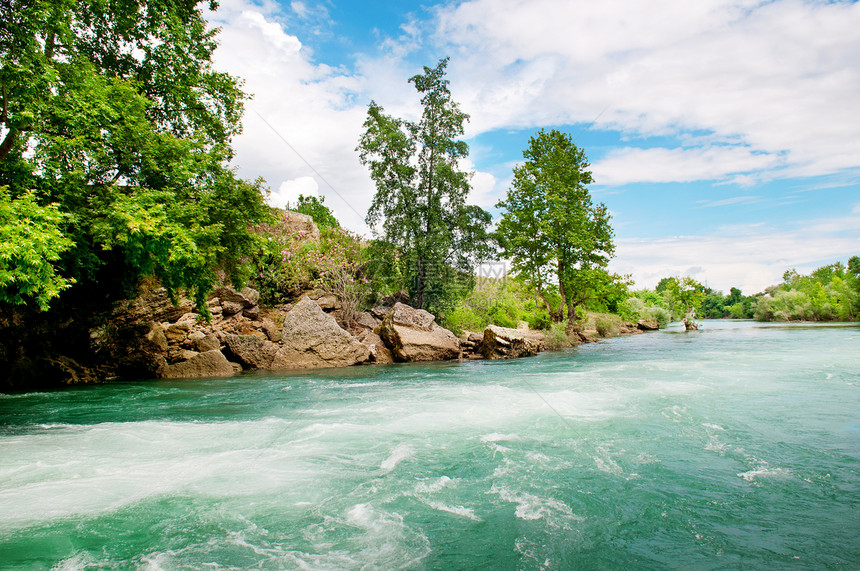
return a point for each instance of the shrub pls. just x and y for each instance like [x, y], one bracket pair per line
[605, 327]
[557, 337]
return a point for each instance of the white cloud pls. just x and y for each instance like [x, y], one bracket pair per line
[749, 257]
[289, 191]
[654, 165]
[304, 119]
[777, 77]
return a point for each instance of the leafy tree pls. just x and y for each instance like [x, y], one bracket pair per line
[421, 191]
[114, 119]
[314, 207]
[30, 242]
[686, 295]
[552, 232]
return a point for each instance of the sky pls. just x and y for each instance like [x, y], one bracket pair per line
[723, 135]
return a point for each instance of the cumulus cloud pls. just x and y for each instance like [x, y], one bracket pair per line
[777, 78]
[305, 118]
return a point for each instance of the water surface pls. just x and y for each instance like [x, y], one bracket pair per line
[737, 446]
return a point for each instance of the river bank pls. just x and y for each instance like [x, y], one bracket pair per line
[154, 336]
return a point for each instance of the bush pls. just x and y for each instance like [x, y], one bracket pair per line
[605, 327]
[557, 337]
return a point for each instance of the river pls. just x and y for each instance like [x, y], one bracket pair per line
[737, 446]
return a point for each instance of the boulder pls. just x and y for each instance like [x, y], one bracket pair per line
[154, 305]
[413, 335]
[312, 339]
[203, 342]
[379, 353]
[271, 329]
[208, 364]
[506, 343]
[251, 351]
[367, 321]
[231, 307]
[648, 325]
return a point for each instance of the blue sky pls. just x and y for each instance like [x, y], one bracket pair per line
[724, 136]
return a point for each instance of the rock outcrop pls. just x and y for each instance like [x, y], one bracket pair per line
[250, 351]
[648, 325]
[413, 335]
[209, 364]
[506, 343]
[312, 339]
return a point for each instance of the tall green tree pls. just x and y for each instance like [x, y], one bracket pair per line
[551, 230]
[421, 190]
[115, 123]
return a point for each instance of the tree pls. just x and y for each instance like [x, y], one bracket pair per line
[113, 119]
[551, 230]
[686, 295]
[421, 190]
[314, 207]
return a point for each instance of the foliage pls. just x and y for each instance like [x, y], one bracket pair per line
[642, 305]
[550, 228]
[290, 261]
[557, 337]
[502, 302]
[421, 192]
[113, 116]
[685, 297]
[314, 207]
[30, 243]
[830, 293]
[606, 327]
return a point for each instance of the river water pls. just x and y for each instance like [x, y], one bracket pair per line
[737, 446]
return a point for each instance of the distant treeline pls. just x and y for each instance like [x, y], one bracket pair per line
[830, 293]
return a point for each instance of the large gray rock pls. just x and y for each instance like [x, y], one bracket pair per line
[312, 339]
[251, 351]
[208, 364]
[413, 335]
[648, 325]
[506, 343]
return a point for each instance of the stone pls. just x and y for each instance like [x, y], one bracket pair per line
[208, 364]
[154, 305]
[401, 296]
[367, 320]
[178, 354]
[271, 329]
[176, 332]
[648, 325]
[156, 337]
[476, 338]
[252, 313]
[250, 351]
[506, 343]
[251, 295]
[208, 342]
[413, 335]
[379, 353]
[312, 339]
[228, 294]
[328, 302]
[231, 307]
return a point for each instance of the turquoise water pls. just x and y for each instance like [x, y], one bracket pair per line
[737, 446]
